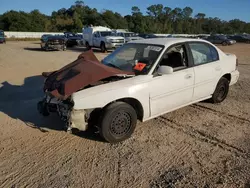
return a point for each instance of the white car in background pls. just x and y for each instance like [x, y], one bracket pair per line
[139, 81]
[129, 36]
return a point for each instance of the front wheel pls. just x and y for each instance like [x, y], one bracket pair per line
[118, 122]
[221, 91]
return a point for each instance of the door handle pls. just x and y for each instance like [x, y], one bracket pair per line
[188, 76]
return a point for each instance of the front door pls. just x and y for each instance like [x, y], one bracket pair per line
[96, 39]
[171, 91]
[168, 92]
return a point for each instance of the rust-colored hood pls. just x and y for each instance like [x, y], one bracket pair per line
[84, 71]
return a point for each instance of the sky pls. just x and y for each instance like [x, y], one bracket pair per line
[224, 9]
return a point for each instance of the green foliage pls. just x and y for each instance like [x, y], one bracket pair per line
[159, 19]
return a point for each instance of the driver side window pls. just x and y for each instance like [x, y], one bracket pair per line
[175, 57]
[96, 35]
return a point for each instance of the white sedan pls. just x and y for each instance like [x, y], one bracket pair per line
[139, 81]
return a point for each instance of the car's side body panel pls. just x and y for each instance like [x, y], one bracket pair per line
[102, 95]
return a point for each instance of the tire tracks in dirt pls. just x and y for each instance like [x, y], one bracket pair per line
[199, 107]
[18, 177]
[204, 137]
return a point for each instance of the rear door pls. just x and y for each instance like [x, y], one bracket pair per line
[207, 69]
[241, 39]
[217, 40]
[211, 39]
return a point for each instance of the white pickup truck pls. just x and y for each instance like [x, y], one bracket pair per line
[139, 81]
[101, 37]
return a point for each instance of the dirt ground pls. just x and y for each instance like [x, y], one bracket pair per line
[202, 145]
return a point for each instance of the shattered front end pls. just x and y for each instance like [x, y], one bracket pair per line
[64, 108]
[59, 86]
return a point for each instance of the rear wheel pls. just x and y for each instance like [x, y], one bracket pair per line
[224, 43]
[103, 47]
[87, 46]
[118, 122]
[221, 91]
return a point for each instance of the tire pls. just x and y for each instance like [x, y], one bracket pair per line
[64, 48]
[224, 43]
[87, 46]
[221, 91]
[118, 122]
[103, 48]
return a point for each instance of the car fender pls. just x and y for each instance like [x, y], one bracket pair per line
[102, 95]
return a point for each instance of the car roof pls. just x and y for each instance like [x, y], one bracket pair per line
[166, 41]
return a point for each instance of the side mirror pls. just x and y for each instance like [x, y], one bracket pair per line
[165, 70]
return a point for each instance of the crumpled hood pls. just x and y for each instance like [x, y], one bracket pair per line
[84, 71]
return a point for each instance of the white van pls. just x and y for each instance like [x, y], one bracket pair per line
[101, 37]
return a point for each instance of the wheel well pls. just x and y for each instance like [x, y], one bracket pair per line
[136, 105]
[131, 101]
[227, 76]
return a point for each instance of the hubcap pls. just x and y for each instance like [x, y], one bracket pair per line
[121, 124]
[222, 92]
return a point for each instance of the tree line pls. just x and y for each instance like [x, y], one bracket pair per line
[158, 19]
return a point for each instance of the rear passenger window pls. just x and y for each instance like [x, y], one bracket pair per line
[203, 53]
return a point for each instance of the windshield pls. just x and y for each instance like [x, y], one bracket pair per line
[137, 58]
[129, 34]
[1, 33]
[106, 33]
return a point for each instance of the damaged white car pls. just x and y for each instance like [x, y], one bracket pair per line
[139, 81]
